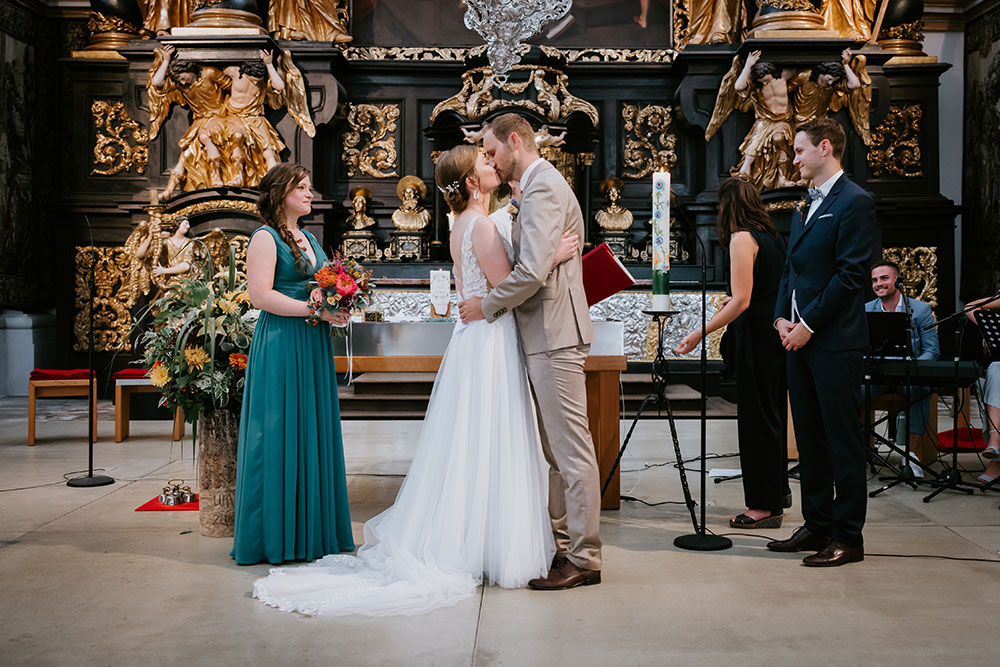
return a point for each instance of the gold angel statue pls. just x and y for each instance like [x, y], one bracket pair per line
[314, 20]
[767, 148]
[175, 258]
[831, 86]
[411, 216]
[230, 141]
[782, 99]
[141, 246]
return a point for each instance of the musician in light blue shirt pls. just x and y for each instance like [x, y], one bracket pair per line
[923, 339]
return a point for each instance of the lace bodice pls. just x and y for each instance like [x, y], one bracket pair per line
[473, 279]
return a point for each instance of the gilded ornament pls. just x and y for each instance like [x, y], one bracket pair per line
[548, 87]
[912, 31]
[370, 143]
[98, 23]
[113, 149]
[920, 266]
[408, 53]
[648, 144]
[665, 56]
[790, 5]
[895, 147]
[112, 320]
[212, 205]
[784, 205]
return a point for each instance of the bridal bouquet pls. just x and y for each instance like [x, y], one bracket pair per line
[339, 284]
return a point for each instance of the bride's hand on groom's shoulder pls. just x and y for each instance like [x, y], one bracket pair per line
[471, 309]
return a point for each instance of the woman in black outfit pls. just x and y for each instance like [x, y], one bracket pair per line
[756, 257]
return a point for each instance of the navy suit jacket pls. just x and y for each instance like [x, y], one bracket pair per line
[827, 267]
[923, 334]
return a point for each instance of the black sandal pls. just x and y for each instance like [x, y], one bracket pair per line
[744, 521]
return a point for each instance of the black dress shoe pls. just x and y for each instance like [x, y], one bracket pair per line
[836, 553]
[801, 540]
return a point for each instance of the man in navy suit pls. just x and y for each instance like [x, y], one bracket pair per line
[820, 316]
[923, 344]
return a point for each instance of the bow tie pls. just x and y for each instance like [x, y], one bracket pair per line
[815, 194]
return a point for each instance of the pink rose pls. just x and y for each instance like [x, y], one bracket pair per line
[316, 295]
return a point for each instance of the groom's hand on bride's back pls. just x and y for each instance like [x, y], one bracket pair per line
[471, 309]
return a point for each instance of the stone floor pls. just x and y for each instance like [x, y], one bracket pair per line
[85, 580]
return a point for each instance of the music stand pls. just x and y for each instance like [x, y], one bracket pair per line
[889, 336]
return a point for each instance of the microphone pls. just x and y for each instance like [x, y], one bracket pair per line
[899, 281]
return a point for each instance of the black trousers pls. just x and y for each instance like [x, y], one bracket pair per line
[762, 417]
[825, 406]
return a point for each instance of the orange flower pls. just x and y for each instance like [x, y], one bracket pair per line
[326, 277]
[238, 361]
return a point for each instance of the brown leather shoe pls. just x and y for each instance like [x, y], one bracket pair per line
[836, 553]
[801, 540]
[558, 561]
[566, 576]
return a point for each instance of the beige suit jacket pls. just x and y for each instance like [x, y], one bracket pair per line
[550, 308]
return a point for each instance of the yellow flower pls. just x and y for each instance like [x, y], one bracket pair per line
[228, 307]
[237, 297]
[195, 356]
[159, 375]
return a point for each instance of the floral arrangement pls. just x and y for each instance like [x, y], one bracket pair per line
[339, 284]
[802, 205]
[513, 209]
[198, 342]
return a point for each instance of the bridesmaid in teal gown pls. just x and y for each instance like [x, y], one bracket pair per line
[291, 487]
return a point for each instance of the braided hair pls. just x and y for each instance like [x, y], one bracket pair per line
[274, 187]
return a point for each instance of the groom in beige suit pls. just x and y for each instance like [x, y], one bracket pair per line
[553, 321]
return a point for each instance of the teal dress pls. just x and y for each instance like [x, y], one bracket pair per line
[291, 487]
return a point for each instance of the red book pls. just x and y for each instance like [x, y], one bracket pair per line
[604, 274]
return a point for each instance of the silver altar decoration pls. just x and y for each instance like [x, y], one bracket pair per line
[505, 24]
[624, 307]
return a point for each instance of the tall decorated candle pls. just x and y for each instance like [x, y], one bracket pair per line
[661, 240]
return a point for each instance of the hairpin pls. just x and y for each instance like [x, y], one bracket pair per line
[451, 188]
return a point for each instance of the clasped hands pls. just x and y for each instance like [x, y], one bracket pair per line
[793, 336]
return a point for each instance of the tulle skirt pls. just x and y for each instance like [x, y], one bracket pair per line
[472, 508]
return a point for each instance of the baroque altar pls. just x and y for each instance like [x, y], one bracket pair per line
[162, 120]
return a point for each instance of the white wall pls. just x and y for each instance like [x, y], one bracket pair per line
[949, 47]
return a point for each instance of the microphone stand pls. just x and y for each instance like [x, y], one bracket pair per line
[701, 540]
[90, 479]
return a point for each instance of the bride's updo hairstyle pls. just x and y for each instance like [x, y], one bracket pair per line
[453, 167]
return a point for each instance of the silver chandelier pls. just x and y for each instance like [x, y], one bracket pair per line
[505, 24]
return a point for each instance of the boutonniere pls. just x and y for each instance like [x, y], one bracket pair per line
[803, 205]
[512, 209]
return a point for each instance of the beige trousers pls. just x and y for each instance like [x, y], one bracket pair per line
[560, 390]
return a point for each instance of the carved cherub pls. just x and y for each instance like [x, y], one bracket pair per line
[411, 216]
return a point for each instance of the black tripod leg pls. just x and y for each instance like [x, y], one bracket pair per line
[628, 436]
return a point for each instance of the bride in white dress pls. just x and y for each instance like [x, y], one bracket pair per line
[473, 506]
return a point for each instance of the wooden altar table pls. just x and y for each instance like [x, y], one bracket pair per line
[603, 402]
